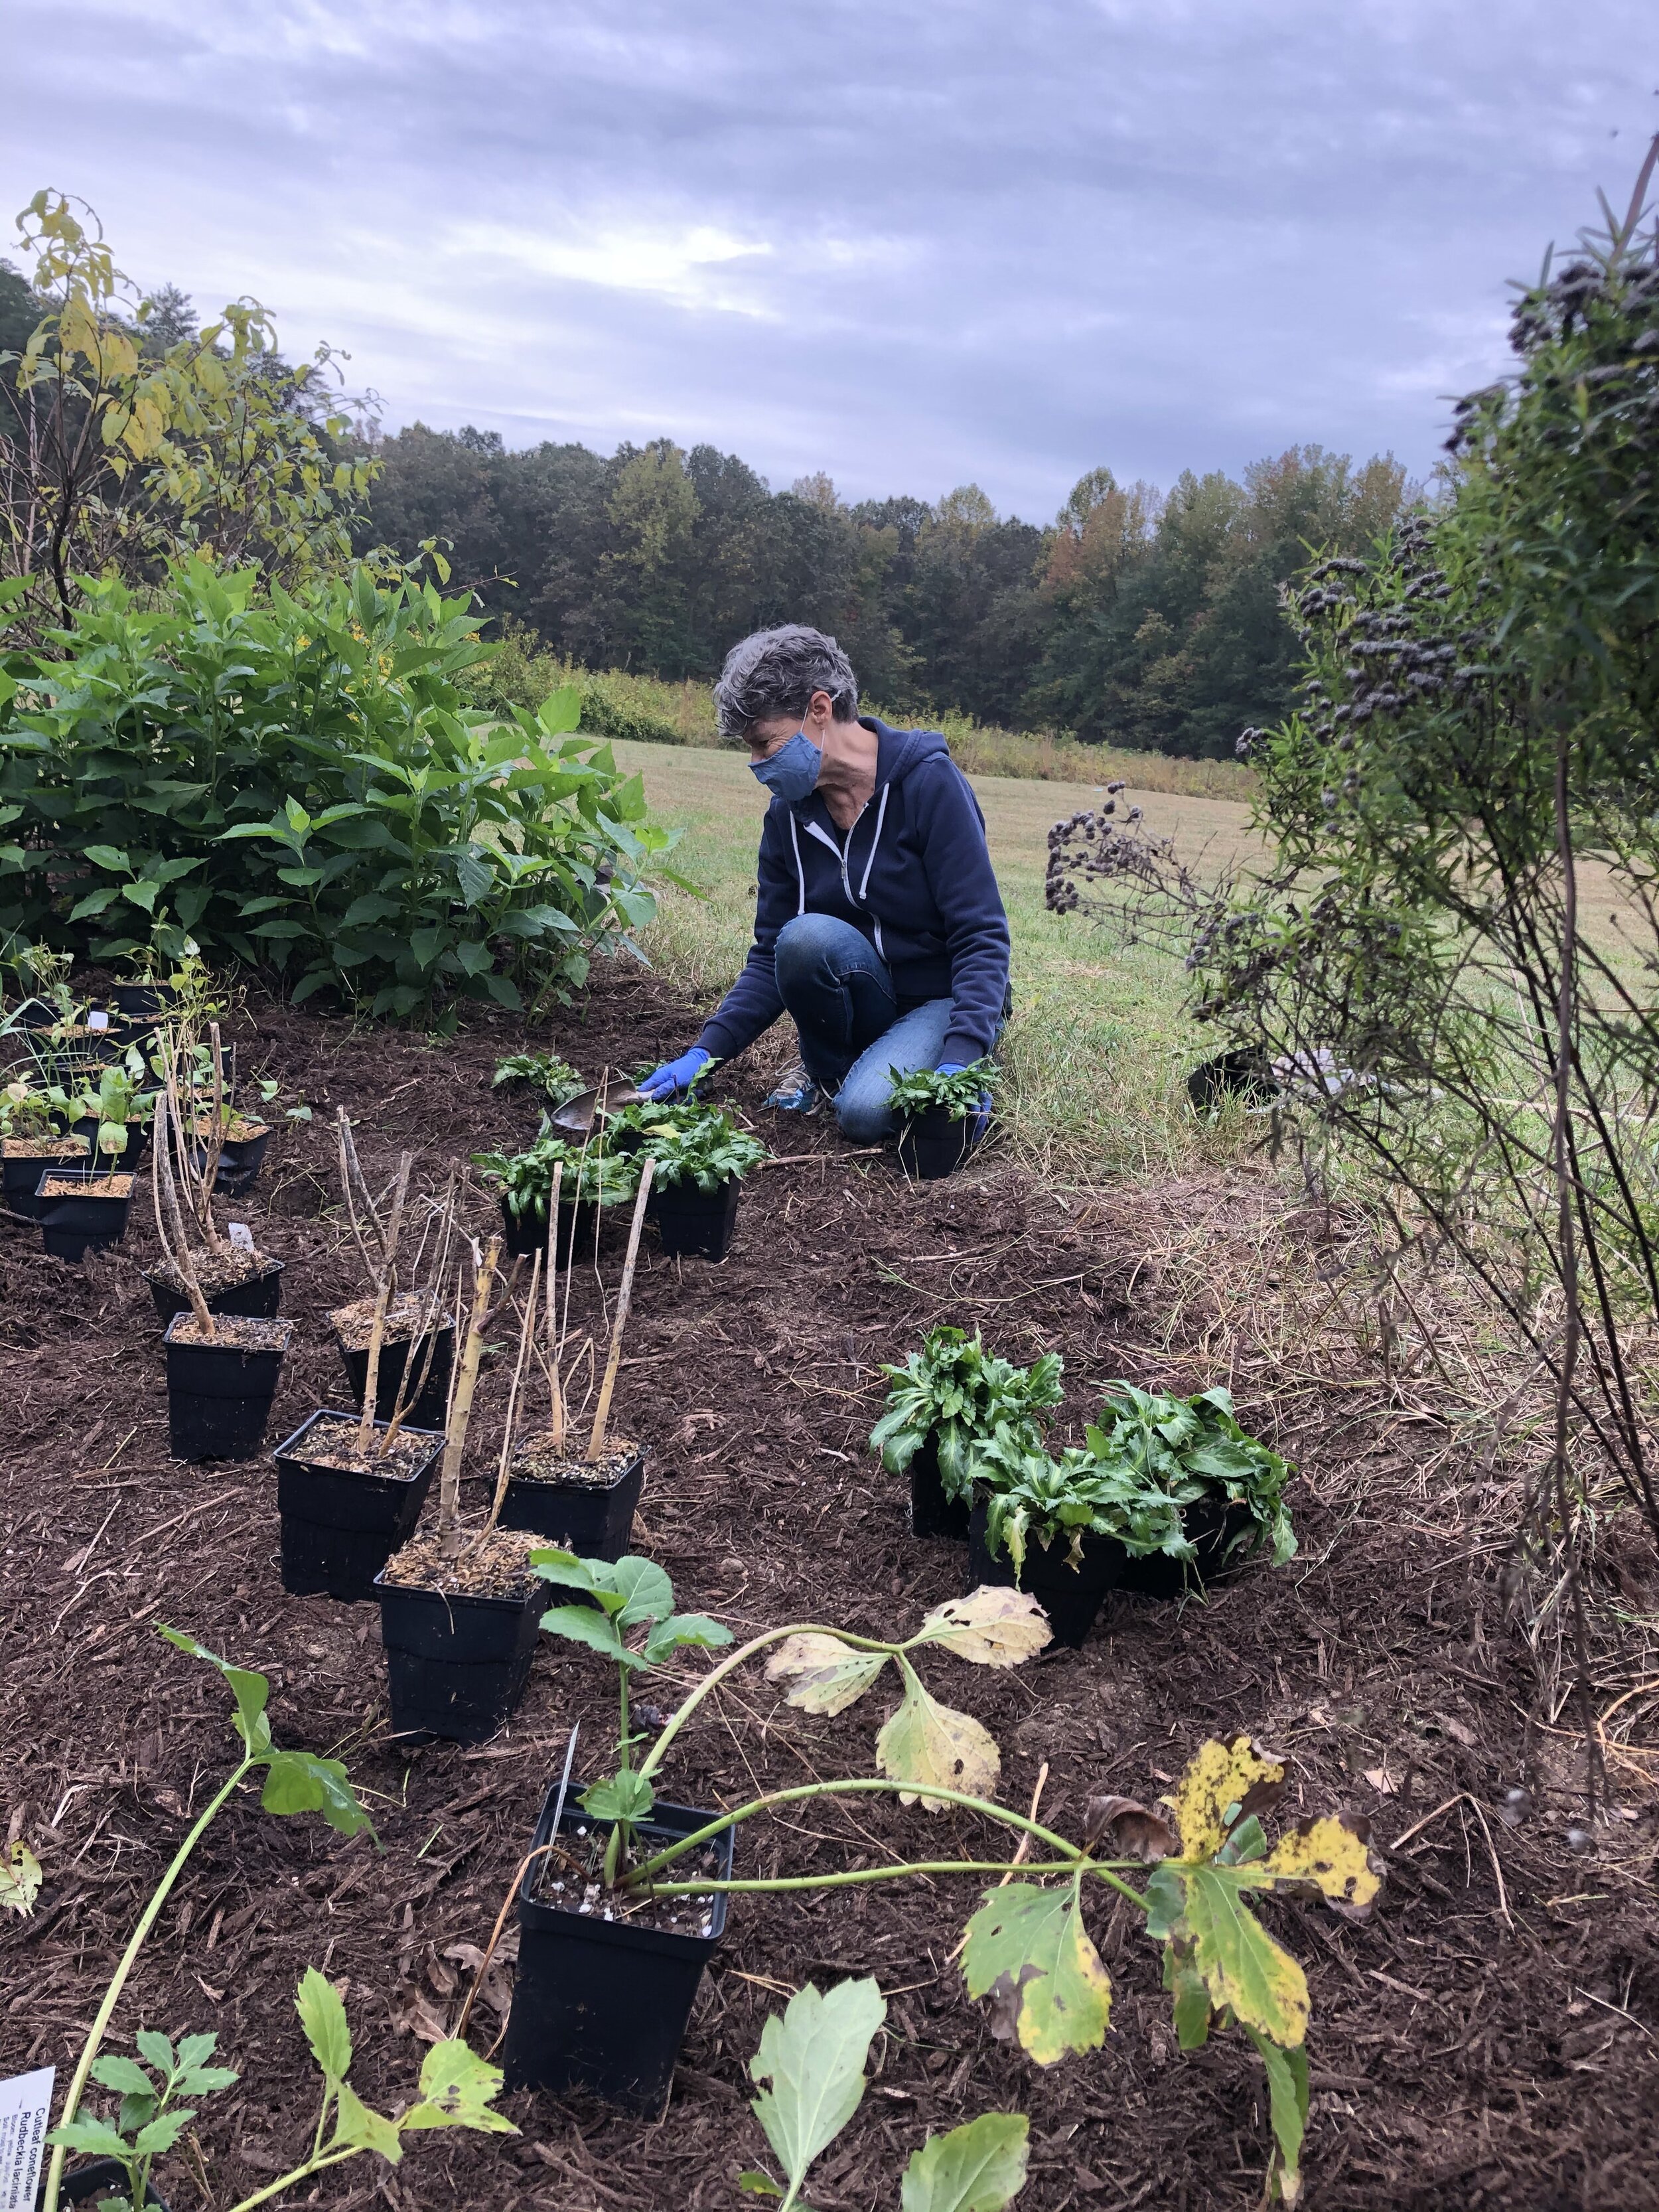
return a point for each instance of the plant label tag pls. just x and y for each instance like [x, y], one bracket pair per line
[97, 1021]
[25, 2112]
[241, 1236]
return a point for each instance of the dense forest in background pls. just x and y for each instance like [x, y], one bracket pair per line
[1139, 617]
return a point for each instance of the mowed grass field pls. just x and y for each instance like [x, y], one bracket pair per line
[1098, 1049]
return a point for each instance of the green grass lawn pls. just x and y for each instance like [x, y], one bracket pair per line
[1098, 1048]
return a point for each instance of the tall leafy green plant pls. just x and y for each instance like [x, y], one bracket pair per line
[292, 780]
[956, 1392]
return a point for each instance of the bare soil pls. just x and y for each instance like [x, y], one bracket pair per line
[333, 1444]
[1486, 2038]
[239, 1331]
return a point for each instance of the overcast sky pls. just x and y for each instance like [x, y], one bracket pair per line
[912, 245]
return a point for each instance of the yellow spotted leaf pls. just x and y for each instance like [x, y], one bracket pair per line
[924, 1741]
[1028, 1950]
[832, 1676]
[1331, 1854]
[1239, 1963]
[992, 1627]
[1219, 1776]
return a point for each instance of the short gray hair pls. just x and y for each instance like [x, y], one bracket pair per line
[775, 671]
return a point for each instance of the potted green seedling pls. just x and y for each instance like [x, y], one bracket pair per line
[941, 1117]
[947, 1397]
[114, 1116]
[702, 1159]
[592, 1181]
[350, 1487]
[1065, 1529]
[1229, 1486]
[223, 1368]
[400, 1329]
[31, 1139]
[550, 1081]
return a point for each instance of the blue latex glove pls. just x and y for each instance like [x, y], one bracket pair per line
[983, 1119]
[675, 1076]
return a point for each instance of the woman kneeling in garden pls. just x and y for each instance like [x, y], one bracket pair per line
[878, 925]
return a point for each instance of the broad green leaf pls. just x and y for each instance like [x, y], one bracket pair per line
[693, 1631]
[1330, 1854]
[832, 1676]
[754, 2184]
[197, 2050]
[923, 1741]
[1190, 2005]
[977, 2168]
[581, 1623]
[560, 712]
[323, 2017]
[94, 2136]
[356, 2123]
[1287, 2105]
[299, 1782]
[624, 1796]
[1218, 1779]
[813, 2055]
[1240, 1964]
[126, 2074]
[250, 1690]
[107, 856]
[20, 1880]
[1035, 1938]
[458, 2089]
[646, 1591]
[154, 2047]
[161, 2134]
[993, 1627]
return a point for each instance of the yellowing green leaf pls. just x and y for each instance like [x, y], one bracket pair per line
[1239, 1961]
[355, 2122]
[1033, 1942]
[977, 2168]
[20, 1880]
[457, 2089]
[1219, 1776]
[992, 1627]
[1287, 2104]
[832, 1674]
[1330, 1853]
[923, 1741]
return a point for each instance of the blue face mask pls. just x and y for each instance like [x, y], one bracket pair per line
[791, 773]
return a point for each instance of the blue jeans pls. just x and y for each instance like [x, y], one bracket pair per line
[855, 1028]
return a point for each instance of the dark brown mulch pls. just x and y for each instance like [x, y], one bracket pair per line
[1470, 2047]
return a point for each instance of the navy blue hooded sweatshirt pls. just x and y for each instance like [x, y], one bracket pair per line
[914, 874]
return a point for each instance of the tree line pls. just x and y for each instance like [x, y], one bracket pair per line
[1140, 617]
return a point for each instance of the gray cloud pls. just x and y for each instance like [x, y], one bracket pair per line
[910, 245]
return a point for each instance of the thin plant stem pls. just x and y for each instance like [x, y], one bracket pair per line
[625, 1300]
[386, 1292]
[460, 1409]
[526, 1334]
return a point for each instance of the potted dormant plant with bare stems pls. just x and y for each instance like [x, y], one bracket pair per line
[233, 1276]
[350, 1485]
[399, 1332]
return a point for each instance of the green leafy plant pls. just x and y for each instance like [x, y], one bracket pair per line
[152, 2115]
[543, 1072]
[28, 1110]
[961, 1094]
[955, 1391]
[294, 1782]
[813, 2058]
[117, 1104]
[709, 1150]
[1030, 1495]
[591, 1176]
[1194, 1449]
[295, 780]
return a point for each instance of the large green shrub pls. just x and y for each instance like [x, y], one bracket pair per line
[294, 780]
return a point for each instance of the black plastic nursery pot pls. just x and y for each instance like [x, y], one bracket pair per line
[432, 1402]
[240, 1161]
[219, 1394]
[698, 1223]
[340, 1526]
[20, 1178]
[71, 1221]
[527, 1232]
[931, 1513]
[143, 1002]
[599, 2005]
[1209, 1525]
[456, 1663]
[931, 1145]
[1070, 1596]
[595, 1523]
[257, 1299]
[99, 2177]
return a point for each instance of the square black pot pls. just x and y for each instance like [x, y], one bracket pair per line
[698, 1223]
[931, 1513]
[1070, 1596]
[432, 1403]
[70, 1225]
[931, 1145]
[457, 1664]
[340, 1527]
[257, 1299]
[219, 1394]
[595, 1524]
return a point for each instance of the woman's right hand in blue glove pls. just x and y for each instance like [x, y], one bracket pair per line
[675, 1076]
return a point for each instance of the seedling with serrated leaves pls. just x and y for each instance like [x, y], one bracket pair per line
[294, 1782]
[814, 2058]
[152, 2115]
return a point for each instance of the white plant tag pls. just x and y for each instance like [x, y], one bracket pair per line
[97, 1021]
[25, 2113]
[241, 1236]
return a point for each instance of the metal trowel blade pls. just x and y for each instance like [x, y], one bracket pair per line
[577, 1115]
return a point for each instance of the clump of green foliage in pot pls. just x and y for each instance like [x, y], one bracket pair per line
[544, 1072]
[590, 1176]
[1029, 1495]
[957, 1392]
[960, 1094]
[1194, 1449]
[1027, 1947]
[706, 1148]
[117, 1104]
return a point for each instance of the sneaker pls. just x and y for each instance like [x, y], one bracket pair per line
[796, 1093]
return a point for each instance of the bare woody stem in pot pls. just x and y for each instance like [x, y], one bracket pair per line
[383, 1296]
[460, 1406]
[509, 1432]
[624, 1299]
